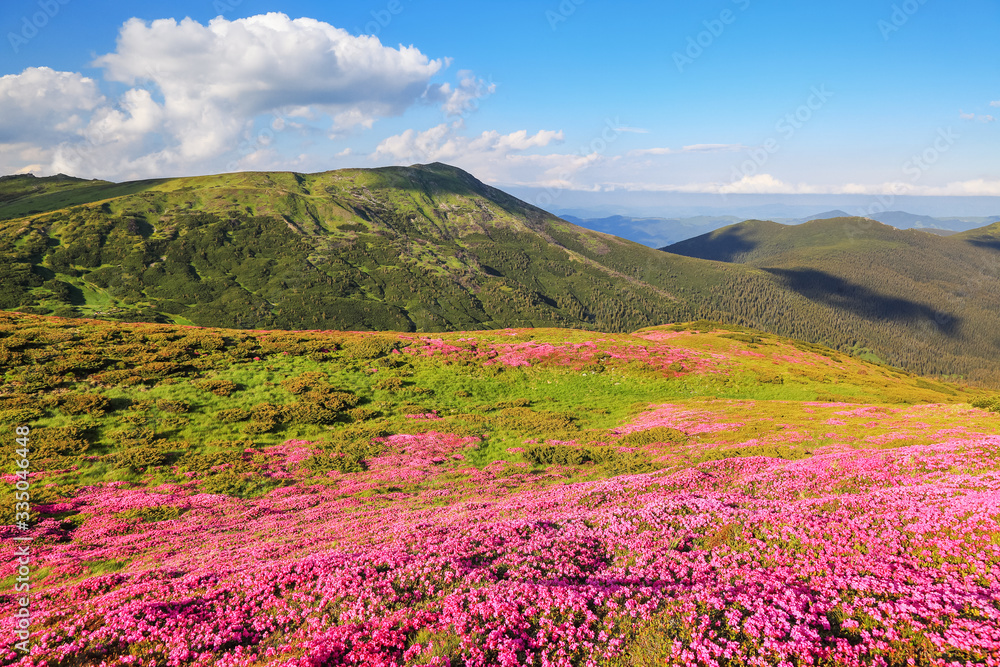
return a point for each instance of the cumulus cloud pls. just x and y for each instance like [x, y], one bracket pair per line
[491, 155]
[43, 105]
[215, 79]
[199, 92]
[463, 98]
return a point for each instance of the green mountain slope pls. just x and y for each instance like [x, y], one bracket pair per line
[426, 248]
[908, 294]
[430, 248]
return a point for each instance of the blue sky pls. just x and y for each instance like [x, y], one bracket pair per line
[726, 96]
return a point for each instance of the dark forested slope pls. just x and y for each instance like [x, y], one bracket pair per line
[923, 301]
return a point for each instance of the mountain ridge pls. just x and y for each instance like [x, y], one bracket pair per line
[430, 248]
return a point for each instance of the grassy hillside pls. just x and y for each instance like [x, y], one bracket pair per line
[427, 248]
[910, 295]
[430, 248]
[210, 496]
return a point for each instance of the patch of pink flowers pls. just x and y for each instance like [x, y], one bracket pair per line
[839, 559]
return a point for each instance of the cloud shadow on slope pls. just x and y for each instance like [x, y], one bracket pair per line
[833, 291]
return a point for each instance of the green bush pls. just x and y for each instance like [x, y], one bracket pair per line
[138, 436]
[558, 455]
[311, 413]
[232, 415]
[390, 384]
[65, 441]
[306, 382]
[21, 415]
[991, 403]
[150, 514]
[218, 387]
[370, 347]
[138, 458]
[345, 463]
[94, 405]
[238, 485]
[363, 414]
[268, 412]
[611, 461]
[175, 407]
[257, 427]
[658, 434]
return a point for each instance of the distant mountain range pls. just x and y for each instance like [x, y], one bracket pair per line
[430, 248]
[877, 279]
[659, 232]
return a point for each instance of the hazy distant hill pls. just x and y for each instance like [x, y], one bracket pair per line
[660, 232]
[653, 232]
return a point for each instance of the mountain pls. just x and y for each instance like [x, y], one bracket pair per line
[898, 290]
[653, 232]
[425, 248]
[659, 232]
[826, 216]
[430, 248]
[904, 220]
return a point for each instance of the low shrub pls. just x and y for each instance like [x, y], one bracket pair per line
[311, 413]
[217, 387]
[370, 347]
[991, 403]
[390, 384]
[137, 436]
[150, 514]
[227, 483]
[21, 415]
[232, 415]
[94, 405]
[175, 407]
[314, 380]
[138, 458]
[658, 434]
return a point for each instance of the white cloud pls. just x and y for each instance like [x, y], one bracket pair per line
[198, 90]
[995, 103]
[214, 79]
[985, 118]
[463, 98]
[492, 156]
[43, 105]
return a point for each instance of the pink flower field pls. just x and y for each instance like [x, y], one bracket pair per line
[888, 557]
[574, 500]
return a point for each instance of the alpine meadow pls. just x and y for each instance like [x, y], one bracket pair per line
[532, 334]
